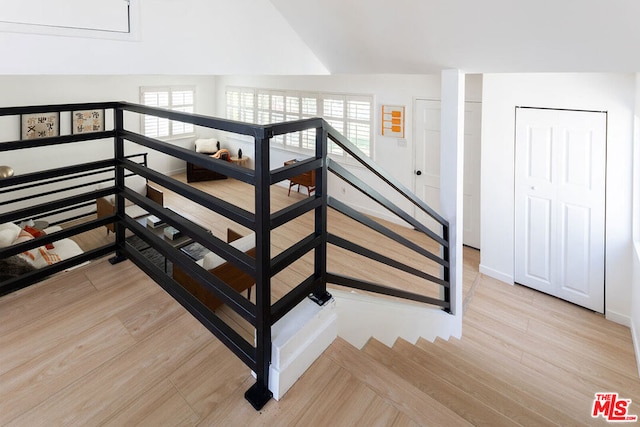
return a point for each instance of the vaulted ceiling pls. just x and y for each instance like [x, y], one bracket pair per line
[305, 37]
[423, 36]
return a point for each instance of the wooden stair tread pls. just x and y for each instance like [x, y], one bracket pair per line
[456, 399]
[403, 395]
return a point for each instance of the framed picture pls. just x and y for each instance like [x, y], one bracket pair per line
[87, 121]
[39, 125]
[393, 121]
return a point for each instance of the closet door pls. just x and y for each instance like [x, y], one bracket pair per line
[560, 203]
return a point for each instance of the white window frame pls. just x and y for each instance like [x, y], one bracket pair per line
[262, 110]
[175, 129]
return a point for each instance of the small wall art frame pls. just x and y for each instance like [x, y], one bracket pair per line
[39, 125]
[87, 121]
[392, 123]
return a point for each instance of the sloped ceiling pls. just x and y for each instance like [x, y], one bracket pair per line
[196, 37]
[424, 36]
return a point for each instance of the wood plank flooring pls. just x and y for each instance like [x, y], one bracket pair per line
[104, 345]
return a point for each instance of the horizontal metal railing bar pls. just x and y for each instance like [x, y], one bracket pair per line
[28, 279]
[53, 237]
[293, 253]
[59, 211]
[243, 350]
[30, 178]
[257, 131]
[362, 158]
[295, 126]
[201, 235]
[289, 171]
[365, 220]
[379, 289]
[374, 195]
[48, 193]
[293, 298]
[360, 250]
[213, 284]
[54, 181]
[294, 211]
[226, 209]
[55, 140]
[226, 168]
[12, 111]
[32, 211]
[72, 218]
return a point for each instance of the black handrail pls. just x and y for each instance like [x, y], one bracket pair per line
[262, 315]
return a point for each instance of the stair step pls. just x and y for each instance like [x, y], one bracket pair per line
[500, 396]
[540, 395]
[456, 399]
[408, 399]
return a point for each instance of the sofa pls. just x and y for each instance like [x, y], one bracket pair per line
[219, 267]
[207, 147]
[42, 256]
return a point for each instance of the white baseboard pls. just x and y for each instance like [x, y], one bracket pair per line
[176, 171]
[636, 342]
[618, 318]
[496, 274]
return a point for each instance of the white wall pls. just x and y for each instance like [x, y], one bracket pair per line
[42, 90]
[38, 90]
[614, 93]
[635, 283]
[193, 37]
[393, 155]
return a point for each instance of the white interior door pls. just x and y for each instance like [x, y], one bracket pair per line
[560, 203]
[427, 164]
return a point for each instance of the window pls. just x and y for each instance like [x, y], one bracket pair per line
[172, 98]
[348, 114]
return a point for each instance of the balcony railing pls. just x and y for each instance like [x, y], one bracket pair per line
[71, 192]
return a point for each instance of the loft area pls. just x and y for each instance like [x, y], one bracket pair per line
[253, 260]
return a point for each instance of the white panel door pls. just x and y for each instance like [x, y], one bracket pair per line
[427, 165]
[560, 203]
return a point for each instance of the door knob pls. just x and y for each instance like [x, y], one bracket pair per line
[418, 173]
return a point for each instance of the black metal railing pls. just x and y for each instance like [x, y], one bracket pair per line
[440, 239]
[263, 267]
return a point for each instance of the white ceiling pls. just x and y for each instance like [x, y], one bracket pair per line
[425, 36]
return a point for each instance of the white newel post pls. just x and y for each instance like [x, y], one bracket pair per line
[451, 177]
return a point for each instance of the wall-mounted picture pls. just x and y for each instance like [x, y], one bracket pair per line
[39, 125]
[87, 121]
[393, 121]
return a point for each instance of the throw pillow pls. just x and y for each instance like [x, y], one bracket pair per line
[8, 234]
[206, 145]
[37, 233]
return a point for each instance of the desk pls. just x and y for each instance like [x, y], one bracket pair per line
[307, 179]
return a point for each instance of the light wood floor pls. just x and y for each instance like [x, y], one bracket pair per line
[104, 345]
